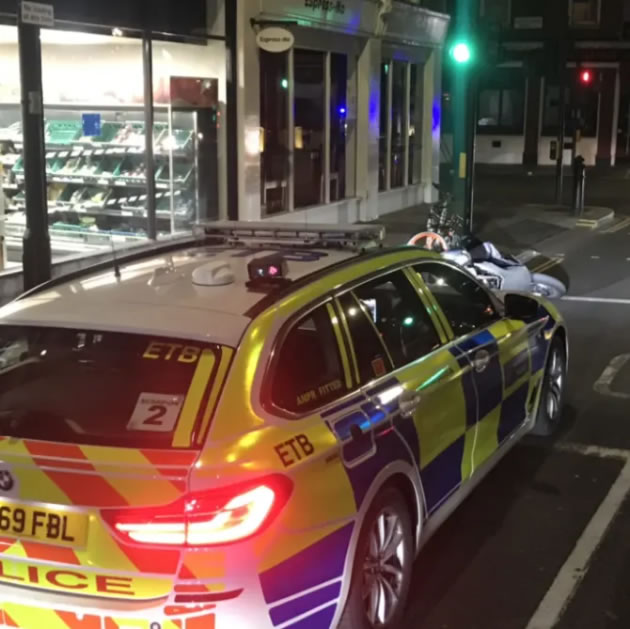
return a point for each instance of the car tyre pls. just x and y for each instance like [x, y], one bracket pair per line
[383, 564]
[552, 395]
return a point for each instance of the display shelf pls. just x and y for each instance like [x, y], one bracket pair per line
[97, 185]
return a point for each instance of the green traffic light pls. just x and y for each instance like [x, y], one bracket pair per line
[461, 52]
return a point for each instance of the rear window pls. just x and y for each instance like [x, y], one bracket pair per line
[104, 388]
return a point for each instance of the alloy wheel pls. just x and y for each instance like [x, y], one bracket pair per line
[383, 569]
[555, 385]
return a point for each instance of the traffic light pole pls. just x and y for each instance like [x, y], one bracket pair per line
[461, 158]
[473, 108]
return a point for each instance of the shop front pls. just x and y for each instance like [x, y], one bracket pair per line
[133, 106]
[343, 124]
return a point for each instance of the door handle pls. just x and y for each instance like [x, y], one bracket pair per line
[408, 403]
[481, 360]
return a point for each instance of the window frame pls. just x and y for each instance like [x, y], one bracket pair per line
[588, 25]
[501, 87]
[387, 133]
[494, 300]
[551, 130]
[483, 13]
[305, 43]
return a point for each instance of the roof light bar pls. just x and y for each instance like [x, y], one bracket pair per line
[356, 237]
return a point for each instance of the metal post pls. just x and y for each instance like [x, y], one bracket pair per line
[147, 57]
[563, 44]
[36, 254]
[473, 109]
[231, 29]
[388, 142]
[407, 123]
[291, 129]
[327, 93]
[561, 130]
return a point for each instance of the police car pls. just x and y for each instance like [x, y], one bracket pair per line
[255, 428]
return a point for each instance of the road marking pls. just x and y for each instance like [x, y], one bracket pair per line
[594, 257]
[617, 227]
[598, 300]
[575, 567]
[547, 264]
[604, 385]
[600, 452]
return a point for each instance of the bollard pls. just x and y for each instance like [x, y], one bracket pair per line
[579, 185]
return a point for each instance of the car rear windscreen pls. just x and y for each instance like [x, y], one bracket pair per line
[103, 388]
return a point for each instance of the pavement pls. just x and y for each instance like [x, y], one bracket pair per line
[543, 542]
[517, 229]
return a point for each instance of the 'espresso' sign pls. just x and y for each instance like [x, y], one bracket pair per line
[274, 39]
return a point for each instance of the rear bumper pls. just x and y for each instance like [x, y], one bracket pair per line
[29, 609]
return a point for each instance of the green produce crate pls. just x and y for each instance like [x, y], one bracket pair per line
[58, 132]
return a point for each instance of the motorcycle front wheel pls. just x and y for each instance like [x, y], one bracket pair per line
[547, 286]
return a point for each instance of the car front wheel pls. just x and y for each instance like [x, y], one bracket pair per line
[553, 390]
[382, 567]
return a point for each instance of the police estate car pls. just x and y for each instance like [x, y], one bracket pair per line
[256, 428]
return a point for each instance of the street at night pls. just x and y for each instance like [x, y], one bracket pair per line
[314, 314]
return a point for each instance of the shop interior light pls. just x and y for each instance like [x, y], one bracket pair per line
[72, 38]
[285, 84]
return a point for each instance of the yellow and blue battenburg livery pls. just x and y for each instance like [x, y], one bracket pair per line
[255, 429]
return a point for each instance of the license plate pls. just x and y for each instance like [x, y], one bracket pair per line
[52, 526]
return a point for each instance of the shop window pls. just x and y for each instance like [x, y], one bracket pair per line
[309, 127]
[399, 124]
[382, 141]
[11, 191]
[95, 140]
[338, 125]
[186, 83]
[274, 98]
[501, 106]
[584, 12]
[588, 111]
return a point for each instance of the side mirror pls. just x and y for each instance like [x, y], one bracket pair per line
[520, 307]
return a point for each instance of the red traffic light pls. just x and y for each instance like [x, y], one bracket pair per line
[586, 77]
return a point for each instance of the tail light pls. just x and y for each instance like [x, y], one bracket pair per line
[207, 518]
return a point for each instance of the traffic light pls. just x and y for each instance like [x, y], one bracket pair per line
[461, 52]
[586, 77]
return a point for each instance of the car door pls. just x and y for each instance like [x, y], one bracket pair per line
[497, 349]
[411, 382]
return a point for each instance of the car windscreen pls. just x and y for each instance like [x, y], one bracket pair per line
[103, 388]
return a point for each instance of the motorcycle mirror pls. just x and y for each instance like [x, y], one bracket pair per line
[520, 307]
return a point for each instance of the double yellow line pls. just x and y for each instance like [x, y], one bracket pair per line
[547, 264]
